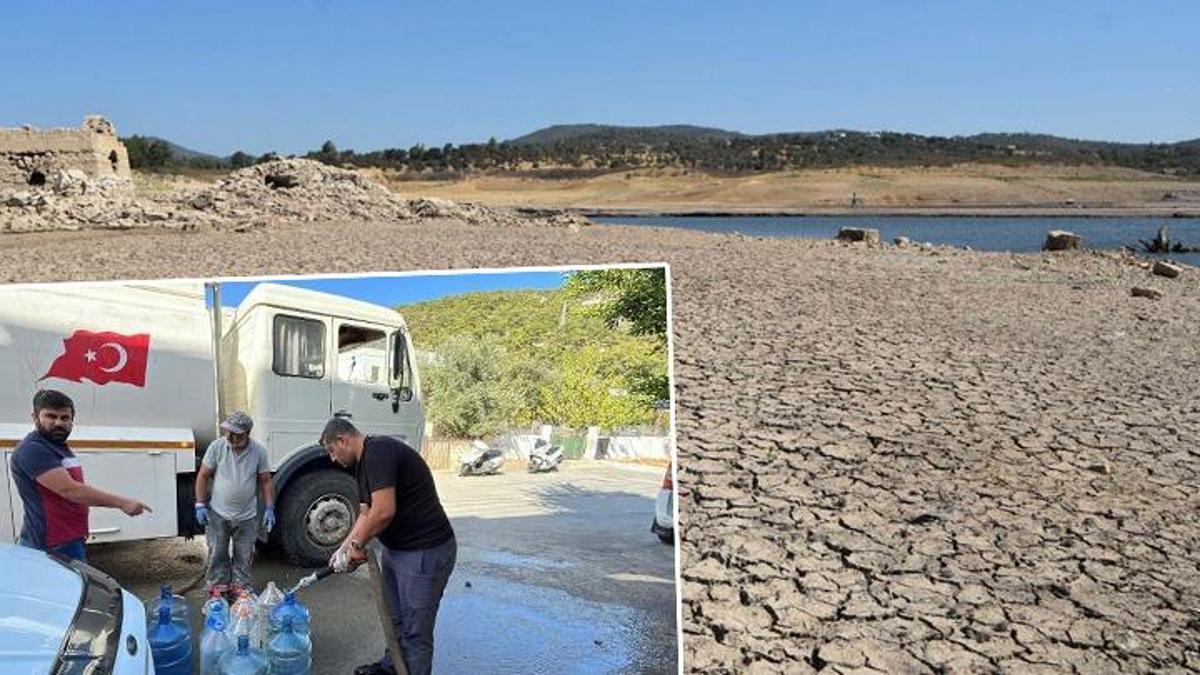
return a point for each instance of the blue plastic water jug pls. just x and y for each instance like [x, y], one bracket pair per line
[291, 607]
[215, 642]
[170, 644]
[289, 652]
[176, 603]
[244, 661]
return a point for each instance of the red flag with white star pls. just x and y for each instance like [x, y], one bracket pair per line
[102, 358]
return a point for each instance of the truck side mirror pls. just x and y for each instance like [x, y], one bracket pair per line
[401, 394]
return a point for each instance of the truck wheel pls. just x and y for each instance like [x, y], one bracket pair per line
[316, 515]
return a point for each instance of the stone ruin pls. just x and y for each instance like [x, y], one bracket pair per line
[66, 179]
[277, 192]
[31, 157]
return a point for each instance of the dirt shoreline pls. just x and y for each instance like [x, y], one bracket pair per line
[923, 212]
[890, 460]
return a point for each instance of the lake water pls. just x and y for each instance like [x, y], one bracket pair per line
[980, 233]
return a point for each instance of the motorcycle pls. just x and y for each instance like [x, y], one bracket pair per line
[544, 457]
[481, 460]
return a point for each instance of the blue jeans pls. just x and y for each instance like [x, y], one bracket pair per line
[74, 550]
[415, 581]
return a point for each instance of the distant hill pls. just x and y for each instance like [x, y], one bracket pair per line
[153, 153]
[570, 150]
[182, 154]
[600, 132]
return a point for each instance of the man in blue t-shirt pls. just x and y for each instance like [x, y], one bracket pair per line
[50, 482]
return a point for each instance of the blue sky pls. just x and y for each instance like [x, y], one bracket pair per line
[393, 291]
[272, 75]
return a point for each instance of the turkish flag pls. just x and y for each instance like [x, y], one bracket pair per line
[102, 358]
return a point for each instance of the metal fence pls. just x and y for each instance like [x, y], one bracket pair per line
[645, 443]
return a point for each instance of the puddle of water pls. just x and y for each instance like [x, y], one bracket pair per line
[508, 559]
[523, 628]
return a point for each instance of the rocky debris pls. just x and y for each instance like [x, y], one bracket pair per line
[859, 234]
[1139, 292]
[274, 192]
[1061, 240]
[70, 200]
[478, 214]
[293, 190]
[1166, 269]
[901, 241]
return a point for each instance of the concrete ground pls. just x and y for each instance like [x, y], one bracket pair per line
[556, 573]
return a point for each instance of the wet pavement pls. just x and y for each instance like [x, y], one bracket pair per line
[556, 573]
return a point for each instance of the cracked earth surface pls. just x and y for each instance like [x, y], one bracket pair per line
[889, 460]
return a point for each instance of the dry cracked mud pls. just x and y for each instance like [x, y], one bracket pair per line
[890, 460]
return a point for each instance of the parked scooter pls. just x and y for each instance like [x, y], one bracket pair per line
[544, 457]
[481, 460]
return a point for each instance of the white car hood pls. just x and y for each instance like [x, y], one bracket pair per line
[38, 601]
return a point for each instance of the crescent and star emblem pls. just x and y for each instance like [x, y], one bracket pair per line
[122, 356]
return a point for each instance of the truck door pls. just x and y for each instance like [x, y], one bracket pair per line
[297, 391]
[362, 383]
[406, 389]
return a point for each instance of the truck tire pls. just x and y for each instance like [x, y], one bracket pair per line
[315, 516]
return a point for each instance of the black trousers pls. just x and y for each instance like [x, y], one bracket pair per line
[415, 581]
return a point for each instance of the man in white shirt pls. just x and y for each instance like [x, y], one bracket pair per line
[239, 470]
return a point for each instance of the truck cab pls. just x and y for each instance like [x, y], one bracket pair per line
[292, 359]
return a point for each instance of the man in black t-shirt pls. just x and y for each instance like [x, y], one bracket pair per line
[398, 504]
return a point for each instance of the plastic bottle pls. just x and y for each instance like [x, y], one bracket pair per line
[267, 602]
[291, 607]
[243, 614]
[216, 603]
[289, 652]
[215, 643]
[244, 660]
[176, 603]
[170, 644]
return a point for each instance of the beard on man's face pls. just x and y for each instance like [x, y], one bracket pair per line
[55, 431]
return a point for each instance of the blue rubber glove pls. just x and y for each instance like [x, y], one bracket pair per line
[202, 515]
[269, 518]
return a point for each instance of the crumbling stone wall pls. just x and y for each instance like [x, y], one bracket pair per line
[29, 155]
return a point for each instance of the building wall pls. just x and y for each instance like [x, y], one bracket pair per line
[93, 148]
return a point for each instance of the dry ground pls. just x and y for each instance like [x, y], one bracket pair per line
[890, 461]
[955, 188]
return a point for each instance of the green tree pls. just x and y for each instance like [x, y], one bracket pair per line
[589, 392]
[637, 297]
[634, 296]
[471, 388]
[240, 160]
[542, 334]
[147, 153]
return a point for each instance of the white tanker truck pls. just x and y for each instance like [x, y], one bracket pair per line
[152, 367]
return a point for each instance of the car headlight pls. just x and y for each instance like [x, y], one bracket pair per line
[93, 639]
